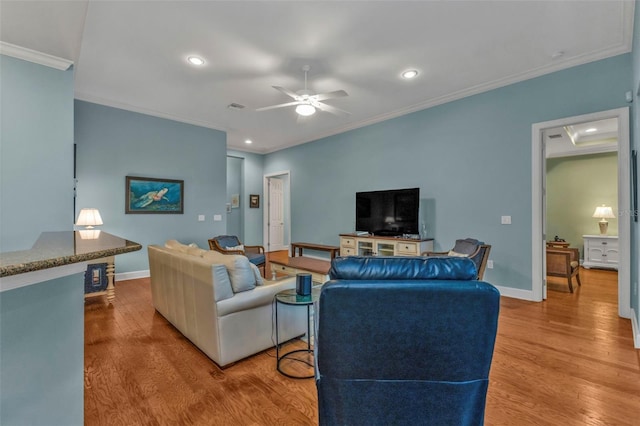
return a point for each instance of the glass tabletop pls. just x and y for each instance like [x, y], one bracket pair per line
[290, 297]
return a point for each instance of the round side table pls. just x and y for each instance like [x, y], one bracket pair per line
[290, 297]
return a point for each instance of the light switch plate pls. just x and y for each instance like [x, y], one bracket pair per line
[505, 220]
[217, 217]
[200, 218]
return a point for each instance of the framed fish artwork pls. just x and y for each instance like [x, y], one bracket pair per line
[151, 195]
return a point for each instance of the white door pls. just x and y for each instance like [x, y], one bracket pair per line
[276, 215]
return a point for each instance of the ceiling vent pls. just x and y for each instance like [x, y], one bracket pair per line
[234, 105]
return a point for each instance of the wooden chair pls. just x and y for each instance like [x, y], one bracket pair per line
[564, 262]
[230, 244]
[468, 247]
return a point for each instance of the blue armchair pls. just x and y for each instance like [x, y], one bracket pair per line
[404, 341]
[471, 248]
[230, 244]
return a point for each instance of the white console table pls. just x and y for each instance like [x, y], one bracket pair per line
[357, 245]
[600, 251]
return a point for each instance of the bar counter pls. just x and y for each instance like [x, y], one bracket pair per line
[54, 249]
[42, 325]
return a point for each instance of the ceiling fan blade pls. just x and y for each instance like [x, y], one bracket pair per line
[331, 95]
[331, 109]
[287, 92]
[278, 106]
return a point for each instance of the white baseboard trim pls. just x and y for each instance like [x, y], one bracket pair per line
[132, 275]
[635, 329]
[515, 293]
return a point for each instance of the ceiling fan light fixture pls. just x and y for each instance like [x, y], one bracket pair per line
[305, 110]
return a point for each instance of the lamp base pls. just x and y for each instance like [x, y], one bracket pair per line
[603, 227]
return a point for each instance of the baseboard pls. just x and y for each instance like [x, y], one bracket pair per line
[515, 293]
[635, 329]
[132, 275]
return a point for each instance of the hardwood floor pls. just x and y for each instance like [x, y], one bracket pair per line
[567, 361]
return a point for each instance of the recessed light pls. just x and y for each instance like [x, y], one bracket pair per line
[248, 141]
[591, 130]
[195, 60]
[409, 74]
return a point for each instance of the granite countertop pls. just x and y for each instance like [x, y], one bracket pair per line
[54, 249]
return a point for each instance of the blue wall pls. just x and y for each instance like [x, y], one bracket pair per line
[471, 159]
[36, 152]
[113, 143]
[253, 184]
[42, 353]
[41, 326]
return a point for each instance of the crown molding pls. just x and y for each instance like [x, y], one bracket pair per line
[34, 56]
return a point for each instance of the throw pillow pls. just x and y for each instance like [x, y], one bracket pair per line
[456, 254]
[236, 248]
[467, 246]
[176, 245]
[239, 269]
[256, 272]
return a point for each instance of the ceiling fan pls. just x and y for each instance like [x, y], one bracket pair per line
[306, 102]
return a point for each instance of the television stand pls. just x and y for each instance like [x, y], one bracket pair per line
[376, 245]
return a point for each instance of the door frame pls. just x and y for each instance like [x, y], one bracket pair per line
[538, 181]
[287, 206]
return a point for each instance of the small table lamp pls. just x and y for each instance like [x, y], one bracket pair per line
[89, 218]
[603, 212]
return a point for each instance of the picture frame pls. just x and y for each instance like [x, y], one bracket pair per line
[235, 201]
[145, 195]
[254, 201]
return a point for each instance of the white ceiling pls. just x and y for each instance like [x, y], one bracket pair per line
[132, 54]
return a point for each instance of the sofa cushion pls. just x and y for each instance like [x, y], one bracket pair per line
[256, 272]
[456, 254]
[239, 269]
[402, 268]
[176, 245]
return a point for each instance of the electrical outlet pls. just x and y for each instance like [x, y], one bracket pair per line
[505, 220]
[490, 264]
[200, 218]
[217, 217]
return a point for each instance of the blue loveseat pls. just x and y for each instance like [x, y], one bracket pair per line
[404, 341]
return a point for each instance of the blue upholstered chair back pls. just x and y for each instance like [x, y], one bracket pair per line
[411, 343]
[227, 241]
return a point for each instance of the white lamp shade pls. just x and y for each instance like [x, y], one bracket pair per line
[604, 212]
[305, 109]
[89, 217]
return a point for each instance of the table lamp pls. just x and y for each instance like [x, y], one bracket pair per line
[89, 218]
[603, 212]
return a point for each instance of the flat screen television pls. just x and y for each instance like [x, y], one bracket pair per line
[388, 213]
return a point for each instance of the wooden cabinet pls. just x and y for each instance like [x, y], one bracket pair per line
[355, 245]
[110, 290]
[600, 251]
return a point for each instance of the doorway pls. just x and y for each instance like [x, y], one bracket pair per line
[538, 171]
[277, 216]
[235, 193]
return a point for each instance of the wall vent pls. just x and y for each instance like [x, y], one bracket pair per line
[556, 136]
[234, 105]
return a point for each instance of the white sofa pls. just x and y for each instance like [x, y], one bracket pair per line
[194, 290]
